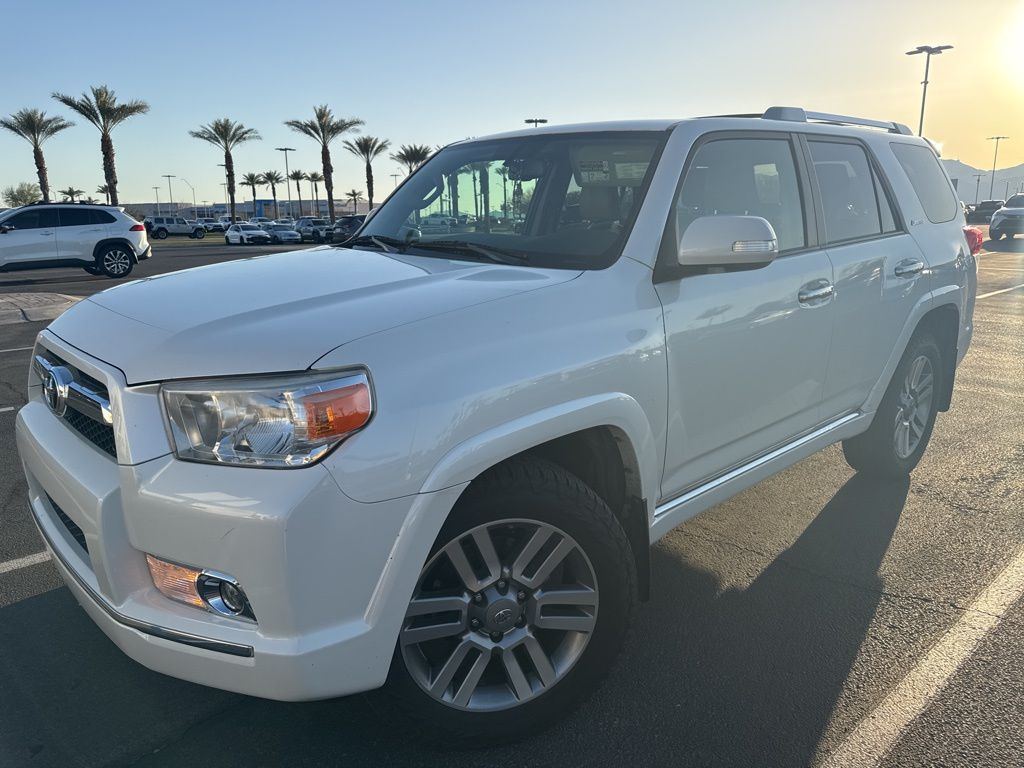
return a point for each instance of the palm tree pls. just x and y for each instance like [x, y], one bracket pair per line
[70, 193]
[104, 190]
[369, 148]
[100, 107]
[298, 176]
[412, 156]
[355, 196]
[226, 134]
[35, 127]
[315, 178]
[253, 180]
[325, 128]
[272, 179]
[26, 192]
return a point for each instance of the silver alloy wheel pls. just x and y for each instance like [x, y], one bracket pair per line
[116, 262]
[500, 615]
[915, 407]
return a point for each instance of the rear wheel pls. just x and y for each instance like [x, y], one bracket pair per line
[899, 433]
[995, 235]
[520, 610]
[114, 261]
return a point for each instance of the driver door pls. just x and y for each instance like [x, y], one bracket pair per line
[747, 349]
[31, 236]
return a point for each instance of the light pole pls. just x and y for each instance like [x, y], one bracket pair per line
[286, 150]
[195, 208]
[995, 156]
[395, 177]
[170, 194]
[929, 51]
[206, 207]
[224, 184]
[157, 190]
[535, 121]
[977, 185]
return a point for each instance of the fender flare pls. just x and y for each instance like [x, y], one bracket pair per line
[470, 458]
[114, 241]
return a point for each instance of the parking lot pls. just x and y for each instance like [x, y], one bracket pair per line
[787, 627]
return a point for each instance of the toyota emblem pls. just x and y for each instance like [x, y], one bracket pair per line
[55, 388]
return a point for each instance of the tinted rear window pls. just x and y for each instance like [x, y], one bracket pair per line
[929, 181]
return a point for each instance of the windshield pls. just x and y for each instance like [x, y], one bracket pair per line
[1017, 201]
[556, 200]
[247, 227]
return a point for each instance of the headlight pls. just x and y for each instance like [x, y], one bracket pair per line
[279, 422]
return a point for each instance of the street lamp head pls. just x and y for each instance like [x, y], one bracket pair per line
[285, 149]
[933, 50]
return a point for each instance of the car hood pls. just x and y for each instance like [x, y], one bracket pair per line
[277, 313]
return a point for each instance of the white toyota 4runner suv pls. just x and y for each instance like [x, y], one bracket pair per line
[439, 462]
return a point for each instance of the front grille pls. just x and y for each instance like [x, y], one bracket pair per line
[76, 533]
[99, 434]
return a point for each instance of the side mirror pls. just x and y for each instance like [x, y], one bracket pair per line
[728, 241]
[4, 229]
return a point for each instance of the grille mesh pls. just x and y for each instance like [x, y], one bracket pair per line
[73, 529]
[100, 435]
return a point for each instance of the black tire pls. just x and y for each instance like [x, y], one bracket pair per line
[226, 241]
[115, 261]
[199, 234]
[160, 234]
[874, 452]
[995, 235]
[530, 489]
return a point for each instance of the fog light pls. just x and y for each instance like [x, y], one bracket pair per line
[211, 590]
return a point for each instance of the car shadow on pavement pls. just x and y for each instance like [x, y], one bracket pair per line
[711, 676]
[1005, 245]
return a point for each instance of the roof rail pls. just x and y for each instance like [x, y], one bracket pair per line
[800, 115]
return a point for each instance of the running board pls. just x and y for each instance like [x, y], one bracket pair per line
[669, 514]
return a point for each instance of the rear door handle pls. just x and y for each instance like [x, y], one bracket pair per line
[909, 268]
[816, 293]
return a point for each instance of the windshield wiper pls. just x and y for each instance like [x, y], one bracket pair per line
[385, 243]
[489, 252]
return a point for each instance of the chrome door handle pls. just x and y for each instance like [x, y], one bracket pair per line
[909, 268]
[816, 293]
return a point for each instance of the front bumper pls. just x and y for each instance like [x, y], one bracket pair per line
[328, 578]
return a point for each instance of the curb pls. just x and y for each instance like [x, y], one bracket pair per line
[34, 307]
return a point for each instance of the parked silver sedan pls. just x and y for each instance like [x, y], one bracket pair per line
[282, 233]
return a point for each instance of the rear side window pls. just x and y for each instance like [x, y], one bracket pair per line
[747, 177]
[847, 188]
[928, 180]
[75, 217]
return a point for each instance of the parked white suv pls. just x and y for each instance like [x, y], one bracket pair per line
[439, 462]
[163, 226]
[1008, 220]
[100, 239]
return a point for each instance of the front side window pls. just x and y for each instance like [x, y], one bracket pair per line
[846, 184]
[34, 219]
[928, 180]
[744, 177]
[556, 200]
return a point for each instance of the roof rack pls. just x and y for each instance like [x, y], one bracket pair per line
[800, 115]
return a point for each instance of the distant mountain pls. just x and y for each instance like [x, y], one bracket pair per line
[1008, 180]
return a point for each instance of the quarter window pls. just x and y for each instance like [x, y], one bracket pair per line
[928, 180]
[847, 187]
[746, 177]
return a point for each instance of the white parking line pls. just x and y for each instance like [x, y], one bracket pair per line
[15, 349]
[996, 293]
[24, 562]
[873, 737]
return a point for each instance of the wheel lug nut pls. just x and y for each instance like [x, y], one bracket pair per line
[496, 637]
[521, 621]
[521, 596]
[478, 598]
[475, 623]
[502, 585]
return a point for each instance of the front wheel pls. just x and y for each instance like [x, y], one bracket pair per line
[114, 261]
[902, 426]
[199, 234]
[160, 234]
[520, 610]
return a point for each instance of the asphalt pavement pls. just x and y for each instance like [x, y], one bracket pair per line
[782, 622]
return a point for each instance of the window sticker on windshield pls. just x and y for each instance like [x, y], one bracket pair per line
[631, 171]
[594, 170]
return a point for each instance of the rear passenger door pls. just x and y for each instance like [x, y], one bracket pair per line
[747, 349]
[880, 273]
[78, 232]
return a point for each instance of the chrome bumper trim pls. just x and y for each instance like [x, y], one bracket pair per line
[153, 630]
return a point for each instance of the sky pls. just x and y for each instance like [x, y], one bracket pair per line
[434, 72]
